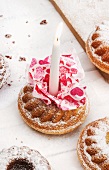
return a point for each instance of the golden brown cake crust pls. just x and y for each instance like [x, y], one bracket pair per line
[48, 119]
[97, 47]
[92, 147]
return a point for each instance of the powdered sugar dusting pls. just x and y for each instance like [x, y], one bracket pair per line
[4, 71]
[103, 33]
[8, 155]
[58, 127]
[100, 129]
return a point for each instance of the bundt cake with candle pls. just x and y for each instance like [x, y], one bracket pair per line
[93, 145]
[97, 47]
[4, 71]
[54, 114]
[22, 158]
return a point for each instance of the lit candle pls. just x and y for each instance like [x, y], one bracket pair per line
[55, 60]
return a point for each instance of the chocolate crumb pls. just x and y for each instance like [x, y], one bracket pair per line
[10, 57]
[49, 138]
[43, 22]
[26, 21]
[1, 15]
[28, 35]
[21, 141]
[22, 59]
[9, 84]
[13, 42]
[8, 35]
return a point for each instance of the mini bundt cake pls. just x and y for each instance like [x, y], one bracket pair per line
[22, 158]
[48, 119]
[97, 47]
[51, 114]
[93, 145]
[4, 71]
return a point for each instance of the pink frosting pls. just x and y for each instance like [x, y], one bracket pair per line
[71, 93]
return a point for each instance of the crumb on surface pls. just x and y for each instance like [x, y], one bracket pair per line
[13, 42]
[9, 84]
[8, 35]
[9, 57]
[22, 59]
[43, 22]
[49, 138]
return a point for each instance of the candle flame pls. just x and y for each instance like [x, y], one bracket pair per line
[59, 30]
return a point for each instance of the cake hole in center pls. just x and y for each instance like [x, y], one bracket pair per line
[20, 164]
[107, 137]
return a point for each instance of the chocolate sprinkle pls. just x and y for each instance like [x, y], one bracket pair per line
[7, 56]
[8, 35]
[22, 59]
[43, 22]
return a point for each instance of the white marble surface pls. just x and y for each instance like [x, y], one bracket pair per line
[59, 150]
